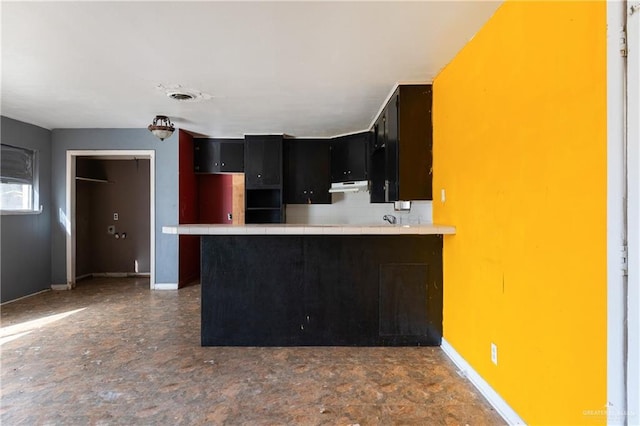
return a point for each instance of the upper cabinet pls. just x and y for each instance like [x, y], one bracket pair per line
[400, 158]
[263, 179]
[349, 157]
[263, 161]
[306, 171]
[218, 155]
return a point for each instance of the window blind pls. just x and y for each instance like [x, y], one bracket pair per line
[16, 164]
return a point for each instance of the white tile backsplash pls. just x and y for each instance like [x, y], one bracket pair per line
[355, 208]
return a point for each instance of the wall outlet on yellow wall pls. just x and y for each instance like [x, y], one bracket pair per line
[443, 195]
[494, 353]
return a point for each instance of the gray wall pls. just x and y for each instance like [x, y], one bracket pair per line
[166, 182]
[26, 239]
[125, 193]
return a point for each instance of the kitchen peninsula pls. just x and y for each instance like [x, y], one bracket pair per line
[346, 285]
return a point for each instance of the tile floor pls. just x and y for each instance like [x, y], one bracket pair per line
[113, 352]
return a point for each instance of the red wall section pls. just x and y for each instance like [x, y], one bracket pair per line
[188, 183]
[188, 245]
[215, 196]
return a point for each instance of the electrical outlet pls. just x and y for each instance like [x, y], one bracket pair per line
[443, 195]
[494, 353]
[115, 216]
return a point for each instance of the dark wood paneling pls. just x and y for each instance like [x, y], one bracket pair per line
[253, 291]
[321, 290]
[403, 299]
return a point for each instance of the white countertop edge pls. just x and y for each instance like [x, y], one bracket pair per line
[303, 229]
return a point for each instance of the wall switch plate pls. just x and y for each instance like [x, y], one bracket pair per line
[111, 229]
[115, 216]
[494, 353]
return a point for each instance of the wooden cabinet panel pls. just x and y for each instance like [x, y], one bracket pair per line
[263, 179]
[307, 171]
[218, 155]
[349, 157]
[322, 290]
[401, 160]
[403, 299]
[232, 157]
[248, 301]
[263, 161]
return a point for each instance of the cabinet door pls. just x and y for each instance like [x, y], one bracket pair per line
[307, 172]
[349, 157]
[339, 150]
[403, 300]
[391, 150]
[204, 156]
[341, 301]
[231, 157]
[250, 304]
[263, 161]
[358, 156]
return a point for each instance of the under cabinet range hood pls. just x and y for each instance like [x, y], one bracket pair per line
[353, 186]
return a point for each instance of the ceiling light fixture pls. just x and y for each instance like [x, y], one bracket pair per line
[161, 127]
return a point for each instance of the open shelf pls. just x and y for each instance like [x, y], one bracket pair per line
[264, 198]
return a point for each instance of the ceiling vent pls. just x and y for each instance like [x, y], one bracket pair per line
[182, 94]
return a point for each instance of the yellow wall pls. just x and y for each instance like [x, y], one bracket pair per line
[520, 147]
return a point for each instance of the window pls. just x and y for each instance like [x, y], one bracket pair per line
[18, 179]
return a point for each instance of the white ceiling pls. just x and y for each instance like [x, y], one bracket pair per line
[301, 68]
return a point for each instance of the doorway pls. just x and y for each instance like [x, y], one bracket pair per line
[110, 242]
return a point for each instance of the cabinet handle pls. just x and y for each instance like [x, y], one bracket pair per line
[349, 172]
[215, 164]
[304, 192]
[222, 164]
[259, 175]
[344, 173]
[310, 192]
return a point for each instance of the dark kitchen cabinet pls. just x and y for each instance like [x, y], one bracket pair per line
[306, 173]
[400, 158]
[263, 179]
[263, 161]
[349, 157]
[218, 155]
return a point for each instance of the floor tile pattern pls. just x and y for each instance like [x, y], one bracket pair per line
[113, 352]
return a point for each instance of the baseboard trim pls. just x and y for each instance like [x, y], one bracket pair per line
[165, 286]
[116, 275]
[501, 406]
[24, 297]
[60, 287]
[110, 274]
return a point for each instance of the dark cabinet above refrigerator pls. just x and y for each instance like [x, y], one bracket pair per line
[400, 158]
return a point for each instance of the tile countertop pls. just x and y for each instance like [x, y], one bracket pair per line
[302, 229]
